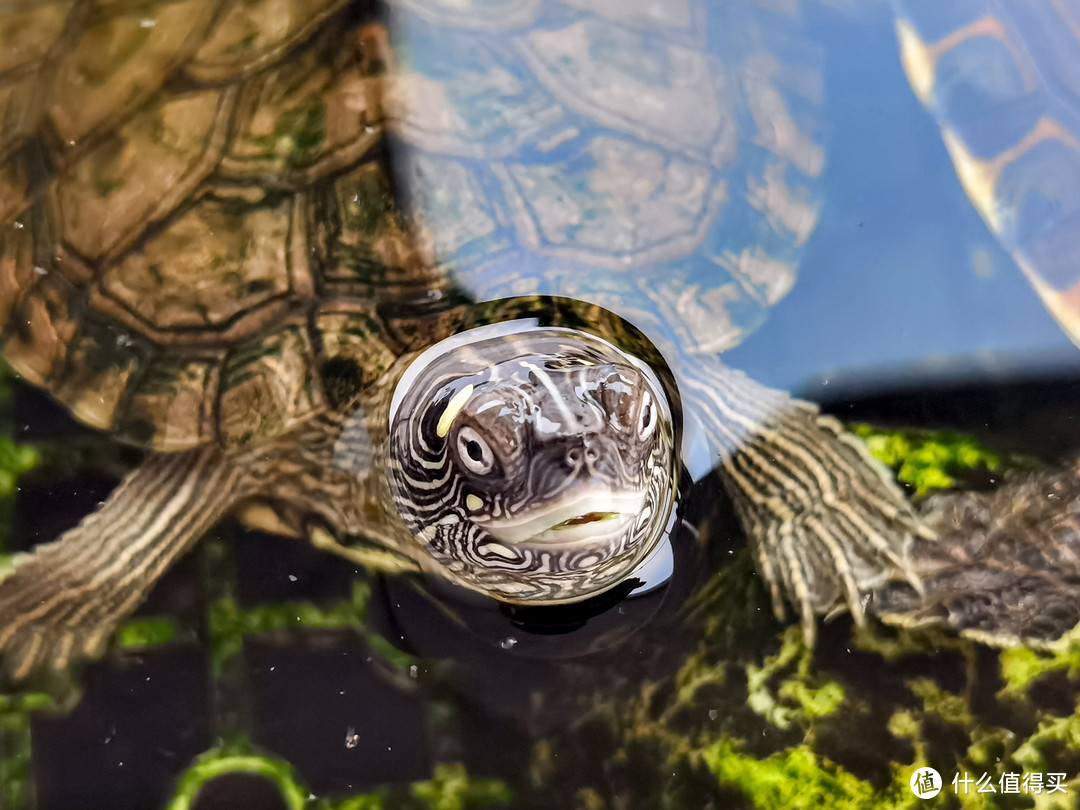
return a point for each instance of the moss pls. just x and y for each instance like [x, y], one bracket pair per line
[450, 788]
[942, 703]
[15, 459]
[234, 759]
[146, 632]
[804, 697]
[933, 460]
[229, 623]
[15, 784]
[1021, 666]
[796, 778]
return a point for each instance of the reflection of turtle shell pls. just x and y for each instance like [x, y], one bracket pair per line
[655, 158]
[1005, 88]
[190, 191]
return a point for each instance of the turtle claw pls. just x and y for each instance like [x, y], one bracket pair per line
[826, 520]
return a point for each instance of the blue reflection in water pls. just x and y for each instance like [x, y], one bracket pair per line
[901, 279]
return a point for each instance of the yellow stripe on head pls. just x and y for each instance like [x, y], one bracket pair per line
[457, 402]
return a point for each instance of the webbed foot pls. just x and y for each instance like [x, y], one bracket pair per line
[826, 521]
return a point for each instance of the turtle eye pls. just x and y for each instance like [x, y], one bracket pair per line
[646, 416]
[474, 451]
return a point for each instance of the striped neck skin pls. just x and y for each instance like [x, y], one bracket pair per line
[535, 464]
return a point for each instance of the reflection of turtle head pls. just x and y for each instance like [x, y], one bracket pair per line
[536, 466]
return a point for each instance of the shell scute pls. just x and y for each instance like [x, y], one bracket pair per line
[172, 405]
[641, 85]
[1005, 89]
[148, 167]
[103, 362]
[27, 35]
[617, 203]
[370, 251]
[270, 384]
[41, 326]
[218, 262]
[251, 34]
[16, 266]
[121, 60]
[353, 332]
[308, 117]
[26, 38]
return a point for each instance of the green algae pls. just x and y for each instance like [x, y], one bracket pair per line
[934, 460]
[1021, 666]
[146, 632]
[15, 747]
[799, 698]
[796, 779]
[229, 623]
[237, 759]
[15, 460]
[450, 787]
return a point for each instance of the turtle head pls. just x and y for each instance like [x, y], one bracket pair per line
[536, 466]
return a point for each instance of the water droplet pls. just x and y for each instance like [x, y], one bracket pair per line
[147, 22]
[292, 577]
[508, 643]
[414, 670]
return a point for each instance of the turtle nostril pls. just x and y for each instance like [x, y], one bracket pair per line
[591, 454]
[573, 456]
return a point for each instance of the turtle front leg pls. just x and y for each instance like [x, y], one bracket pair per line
[63, 600]
[826, 521]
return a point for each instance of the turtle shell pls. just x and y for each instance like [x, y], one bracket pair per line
[195, 214]
[1004, 85]
[198, 224]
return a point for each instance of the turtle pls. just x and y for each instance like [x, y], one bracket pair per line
[441, 287]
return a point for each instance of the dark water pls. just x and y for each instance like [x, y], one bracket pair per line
[554, 718]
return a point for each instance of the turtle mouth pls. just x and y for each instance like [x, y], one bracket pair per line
[581, 520]
[594, 516]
